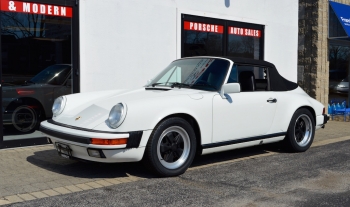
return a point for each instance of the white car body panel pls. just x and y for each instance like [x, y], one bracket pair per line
[241, 145]
[232, 117]
[288, 103]
[176, 100]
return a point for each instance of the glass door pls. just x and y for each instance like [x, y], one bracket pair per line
[36, 65]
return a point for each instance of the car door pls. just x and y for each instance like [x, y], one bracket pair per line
[247, 114]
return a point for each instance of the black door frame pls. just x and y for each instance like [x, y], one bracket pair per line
[75, 73]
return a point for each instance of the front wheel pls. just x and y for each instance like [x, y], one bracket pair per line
[171, 147]
[301, 131]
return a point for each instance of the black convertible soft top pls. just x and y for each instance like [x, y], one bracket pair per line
[277, 82]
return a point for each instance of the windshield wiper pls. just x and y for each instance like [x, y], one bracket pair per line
[179, 85]
[205, 84]
[154, 84]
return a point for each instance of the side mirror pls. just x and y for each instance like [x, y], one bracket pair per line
[230, 88]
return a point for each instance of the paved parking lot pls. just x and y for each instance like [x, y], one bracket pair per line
[36, 172]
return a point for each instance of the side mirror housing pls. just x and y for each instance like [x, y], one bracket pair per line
[230, 88]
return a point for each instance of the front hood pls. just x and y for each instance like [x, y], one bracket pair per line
[87, 110]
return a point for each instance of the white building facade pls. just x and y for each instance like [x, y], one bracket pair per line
[125, 43]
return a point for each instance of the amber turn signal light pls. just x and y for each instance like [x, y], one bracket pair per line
[98, 141]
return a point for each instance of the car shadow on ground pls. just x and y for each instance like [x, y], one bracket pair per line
[51, 161]
[237, 154]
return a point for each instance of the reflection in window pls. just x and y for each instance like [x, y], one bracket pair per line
[202, 43]
[339, 54]
[241, 46]
[36, 65]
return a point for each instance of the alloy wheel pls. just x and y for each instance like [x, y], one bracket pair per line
[173, 147]
[303, 130]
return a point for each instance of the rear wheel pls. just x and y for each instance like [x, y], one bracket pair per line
[301, 131]
[25, 119]
[171, 147]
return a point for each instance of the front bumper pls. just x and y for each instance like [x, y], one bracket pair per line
[79, 142]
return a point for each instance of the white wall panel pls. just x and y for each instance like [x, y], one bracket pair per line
[125, 43]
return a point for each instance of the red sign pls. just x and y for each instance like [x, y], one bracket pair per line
[203, 27]
[35, 8]
[244, 32]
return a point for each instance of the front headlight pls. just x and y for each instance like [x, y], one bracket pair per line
[58, 105]
[117, 115]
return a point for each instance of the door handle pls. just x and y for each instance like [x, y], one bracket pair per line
[272, 100]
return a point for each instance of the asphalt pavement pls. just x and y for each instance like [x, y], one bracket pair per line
[259, 176]
[318, 177]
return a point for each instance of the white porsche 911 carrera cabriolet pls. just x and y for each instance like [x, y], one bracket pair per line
[196, 105]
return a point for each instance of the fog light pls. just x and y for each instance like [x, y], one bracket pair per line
[96, 153]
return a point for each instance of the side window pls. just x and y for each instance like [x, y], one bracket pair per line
[233, 78]
[253, 78]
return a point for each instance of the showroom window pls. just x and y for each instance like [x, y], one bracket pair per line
[38, 51]
[339, 53]
[216, 37]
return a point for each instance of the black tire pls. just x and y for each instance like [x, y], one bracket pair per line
[171, 147]
[301, 131]
[25, 119]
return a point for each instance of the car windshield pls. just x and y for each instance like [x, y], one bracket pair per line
[345, 79]
[196, 73]
[54, 75]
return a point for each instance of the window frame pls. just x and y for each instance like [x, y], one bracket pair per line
[226, 24]
[252, 65]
